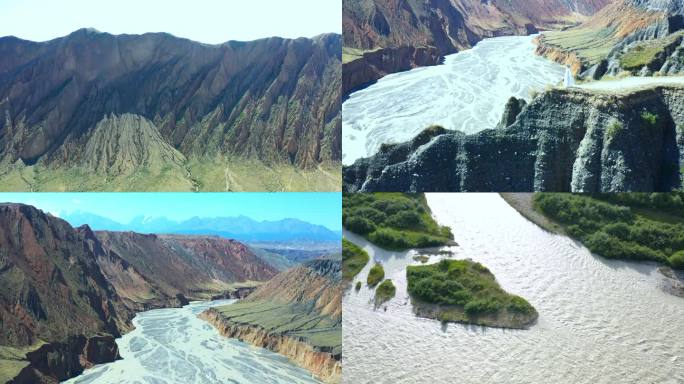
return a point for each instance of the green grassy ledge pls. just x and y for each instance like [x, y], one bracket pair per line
[394, 221]
[464, 291]
[353, 260]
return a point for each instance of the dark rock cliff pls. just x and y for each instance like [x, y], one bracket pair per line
[564, 140]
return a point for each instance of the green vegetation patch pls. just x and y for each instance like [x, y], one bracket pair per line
[13, 360]
[353, 260]
[591, 45]
[384, 292]
[295, 320]
[376, 274]
[629, 226]
[465, 291]
[394, 221]
[647, 52]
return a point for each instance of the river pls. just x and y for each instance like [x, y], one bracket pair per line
[173, 346]
[600, 321]
[468, 93]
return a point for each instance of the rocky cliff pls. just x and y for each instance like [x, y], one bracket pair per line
[67, 293]
[403, 28]
[637, 37]
[298, 314]
[564, 140]
[110, 105]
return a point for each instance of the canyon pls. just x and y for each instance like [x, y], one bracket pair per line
[95, 111]
[298, 314]
[379, 33]
[67, 293]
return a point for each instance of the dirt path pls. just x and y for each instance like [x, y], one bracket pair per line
[633, 82]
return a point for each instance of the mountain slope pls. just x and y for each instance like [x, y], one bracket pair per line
[298, 314]
[273, 101]
[53, 291]
[634, 36]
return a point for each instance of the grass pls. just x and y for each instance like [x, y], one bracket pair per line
[622, 226]
[590, 45]
[376, 274]
[651, 119]
[202, 174]
[646, 52]
[384, 292]
[468, 292]
[393, 221]
[13, 360]
[287, 319]
[350, 54]
[353, 260]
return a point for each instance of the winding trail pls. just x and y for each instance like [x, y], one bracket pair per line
[631, 83]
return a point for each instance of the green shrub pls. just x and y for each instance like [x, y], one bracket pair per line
[614, 129]
[677, 260]
[384, 292]
[358, 285]
[649, 118]
[360, 225]
[376, 274]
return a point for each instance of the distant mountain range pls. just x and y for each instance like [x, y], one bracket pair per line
[240, 228]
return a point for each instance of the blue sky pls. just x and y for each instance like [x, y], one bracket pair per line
[317, 208]
[207, 21]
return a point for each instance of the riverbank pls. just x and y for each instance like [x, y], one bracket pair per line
[319, 360]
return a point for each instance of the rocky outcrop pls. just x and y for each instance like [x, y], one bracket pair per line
[59, 361]
[275, 101]
[373, 65]
[323, 364]
[403, 32]
[311, 294]
[564, 140]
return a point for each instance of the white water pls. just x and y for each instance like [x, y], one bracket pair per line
[600, 321]
[173, 346]
[467, 93]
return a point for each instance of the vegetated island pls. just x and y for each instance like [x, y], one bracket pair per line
[375, 275]
[353, 260]
[465, 291]
[384, 292]
[395, 221]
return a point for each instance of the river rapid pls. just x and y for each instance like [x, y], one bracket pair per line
[468, 93]
[173, 346]
[600, 321]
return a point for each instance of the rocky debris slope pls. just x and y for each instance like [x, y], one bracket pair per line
[273, 100]
[298, 314]
[67, 293]
[406, 31]
[564, 140]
